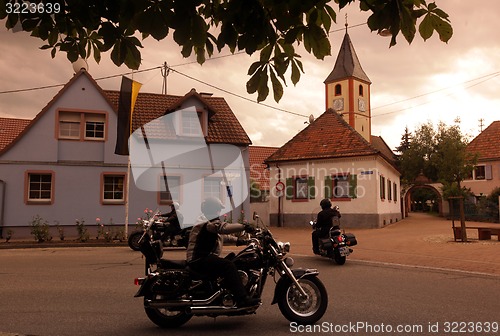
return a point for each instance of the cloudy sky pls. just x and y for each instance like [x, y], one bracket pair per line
[411, 84]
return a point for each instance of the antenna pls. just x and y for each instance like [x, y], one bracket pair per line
[165, 70]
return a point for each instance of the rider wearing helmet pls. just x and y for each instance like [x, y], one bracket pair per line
[174, 220]
[324, 222]
[205, 245]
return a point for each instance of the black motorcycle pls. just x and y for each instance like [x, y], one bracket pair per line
[174, 293]
[337, 245]
[158, 230]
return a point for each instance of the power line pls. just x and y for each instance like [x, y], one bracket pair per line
[487, 78]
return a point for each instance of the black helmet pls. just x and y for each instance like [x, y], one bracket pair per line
[325, 203]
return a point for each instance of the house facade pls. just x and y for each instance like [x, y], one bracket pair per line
[61, 165]
[336, 157]
[486, 175]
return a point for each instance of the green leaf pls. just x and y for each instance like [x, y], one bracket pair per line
[426, 29]
[295, 73]
[253, 68]
[263, 89]
[277, 87]
[254, 81]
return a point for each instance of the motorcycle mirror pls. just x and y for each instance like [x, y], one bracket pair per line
[255, 215]
[311, 222]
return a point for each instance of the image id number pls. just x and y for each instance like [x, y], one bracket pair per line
[471, 327]
[25, 7]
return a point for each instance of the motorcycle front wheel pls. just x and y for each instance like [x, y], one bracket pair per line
[133, 240]
[304, 310]
[163, 317]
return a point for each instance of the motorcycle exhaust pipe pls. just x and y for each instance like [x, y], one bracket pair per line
[220, 310]
[180, 303]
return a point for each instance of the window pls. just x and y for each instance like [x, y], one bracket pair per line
[360, 90]
[395, 192]
[300, 188]
[338, 90]
[170, 191]
[69, 125]
[341, 186]
[94, 126]
[389, 190]
[212, 187]
[382, 187]
[39, 187]
[113, 189]
[191, 123]
[483, 173]
[82, 126]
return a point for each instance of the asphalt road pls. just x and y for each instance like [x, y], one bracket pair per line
[90, 291]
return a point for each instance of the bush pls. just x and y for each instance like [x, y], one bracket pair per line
[40, 229]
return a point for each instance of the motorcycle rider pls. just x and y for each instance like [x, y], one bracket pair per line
[205, 245]
[173, 220]
[324, 222]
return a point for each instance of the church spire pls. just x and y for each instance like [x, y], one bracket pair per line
[347, 64]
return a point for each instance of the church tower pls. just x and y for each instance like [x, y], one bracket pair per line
[347, 89]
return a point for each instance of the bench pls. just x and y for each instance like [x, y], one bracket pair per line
[483, 233]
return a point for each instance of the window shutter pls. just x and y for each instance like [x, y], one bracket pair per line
[328, 187]
[312, 187]
[289, 188]
[487, 172]
[353, 185]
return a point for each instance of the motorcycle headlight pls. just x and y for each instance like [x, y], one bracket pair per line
[284, 247]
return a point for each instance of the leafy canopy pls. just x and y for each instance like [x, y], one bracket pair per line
[274, 28]
[440, 154]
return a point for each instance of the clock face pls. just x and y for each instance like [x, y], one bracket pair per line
[361, 105]
[338, 104]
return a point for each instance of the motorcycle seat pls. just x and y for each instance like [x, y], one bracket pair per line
[175, 264]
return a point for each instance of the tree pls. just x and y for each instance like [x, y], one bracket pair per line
[85, 28]
[440, 154]
[416, 158]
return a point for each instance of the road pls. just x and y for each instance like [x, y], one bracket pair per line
[89, 291]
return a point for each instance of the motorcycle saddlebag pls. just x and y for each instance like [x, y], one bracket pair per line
[351, 239]
[325, 243]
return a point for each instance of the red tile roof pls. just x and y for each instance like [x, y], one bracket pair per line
[487, 143]
[223, 126]
[10, 128]
[258, 171]
[329, 136]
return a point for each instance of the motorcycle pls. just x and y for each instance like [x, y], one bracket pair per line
[157, 230]
[174, 293]
[337, 245]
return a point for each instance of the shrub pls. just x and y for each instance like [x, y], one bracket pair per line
[40, 229]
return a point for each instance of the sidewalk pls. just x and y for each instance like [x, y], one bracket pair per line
[418, 240]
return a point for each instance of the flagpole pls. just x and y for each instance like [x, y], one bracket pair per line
[127, 193]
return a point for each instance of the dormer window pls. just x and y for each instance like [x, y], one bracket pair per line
[192, 123]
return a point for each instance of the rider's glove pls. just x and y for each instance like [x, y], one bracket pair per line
[249, 228]
[242, 241]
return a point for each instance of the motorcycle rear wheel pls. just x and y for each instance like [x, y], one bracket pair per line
[133, 240]
[301, 310]
[340, 260]
[165, 318]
